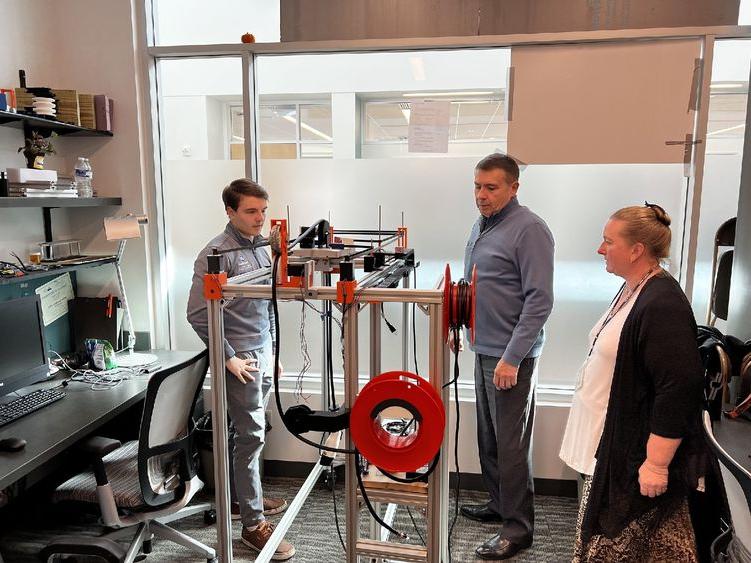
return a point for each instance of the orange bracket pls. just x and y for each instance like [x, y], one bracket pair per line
[402, 242]
[282, 278]
[212, 285]
[345, 292]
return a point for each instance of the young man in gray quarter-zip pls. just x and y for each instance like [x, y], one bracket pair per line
[512, 249]
[249, 338]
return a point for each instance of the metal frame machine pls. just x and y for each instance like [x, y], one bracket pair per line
[404, 466]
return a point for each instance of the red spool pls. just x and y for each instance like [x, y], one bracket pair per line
[451, 305]
[389, 451]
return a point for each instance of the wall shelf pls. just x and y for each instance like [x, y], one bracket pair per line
[59, 201]
[47, 204]
[21, 121]
[56, 271]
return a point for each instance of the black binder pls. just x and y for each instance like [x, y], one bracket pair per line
[93, 317]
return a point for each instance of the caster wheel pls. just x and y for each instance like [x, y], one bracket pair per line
[209, 516]
[328, 480]
[146, 547]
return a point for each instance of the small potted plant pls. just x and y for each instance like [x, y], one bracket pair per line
[36, 148]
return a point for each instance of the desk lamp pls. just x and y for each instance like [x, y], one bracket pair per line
[122, 229]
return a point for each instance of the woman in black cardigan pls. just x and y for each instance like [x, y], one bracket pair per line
[634, 426]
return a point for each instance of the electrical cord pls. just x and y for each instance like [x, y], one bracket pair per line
[456, 438]
[277, 392]
[336, 514]
[419, 535]
[363, 492]
[100, 380]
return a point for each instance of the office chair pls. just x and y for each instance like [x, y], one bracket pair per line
[722, 269]
[737, 482]
[143, 484]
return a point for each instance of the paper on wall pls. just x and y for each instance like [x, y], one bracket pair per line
[429, 127]
[55, 295]
[116, 228]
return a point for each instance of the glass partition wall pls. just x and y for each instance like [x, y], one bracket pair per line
[331, 142]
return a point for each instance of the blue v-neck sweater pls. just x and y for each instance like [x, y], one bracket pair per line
[513, 252]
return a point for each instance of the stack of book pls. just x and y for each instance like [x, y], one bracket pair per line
[24, 100]
[67, 106]
[86, 110]
[39, 189]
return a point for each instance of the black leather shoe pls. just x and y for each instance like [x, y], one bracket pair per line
[480, 513]
[499, 548]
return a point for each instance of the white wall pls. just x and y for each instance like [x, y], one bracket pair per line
[222, 21]
[85, 45]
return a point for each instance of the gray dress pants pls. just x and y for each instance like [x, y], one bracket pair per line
[246, 405]
[504, 436]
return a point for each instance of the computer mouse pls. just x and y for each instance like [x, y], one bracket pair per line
[12, 444]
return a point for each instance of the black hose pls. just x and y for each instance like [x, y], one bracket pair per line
[307, 231]
[358, 472]
[277, 393]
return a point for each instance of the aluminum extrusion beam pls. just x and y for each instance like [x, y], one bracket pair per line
[219, 429]
[386, 295]
[351, 371]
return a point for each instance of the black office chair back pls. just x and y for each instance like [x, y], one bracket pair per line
[721, 291]
[722, 270]
[737, 481]
[725, 235]
[166, 460]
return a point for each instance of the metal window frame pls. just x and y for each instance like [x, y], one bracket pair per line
[298, 141]
[249, 52]
[393, 100]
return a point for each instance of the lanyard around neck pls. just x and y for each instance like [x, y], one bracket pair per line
[613, 311]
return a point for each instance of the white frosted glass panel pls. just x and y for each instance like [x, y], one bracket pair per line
[722, 166]
[196, 100]
[194, 22]
[436, 196]
[194, 215]
[425, 71]
[719, 202]
[601, 103]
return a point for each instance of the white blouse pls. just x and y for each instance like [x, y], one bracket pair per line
[590, 405]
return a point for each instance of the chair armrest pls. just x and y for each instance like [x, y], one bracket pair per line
[96, 448]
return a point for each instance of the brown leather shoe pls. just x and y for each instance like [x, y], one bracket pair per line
[258, 538]
[273, 506]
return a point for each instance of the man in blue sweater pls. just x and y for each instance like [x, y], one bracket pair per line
[513, 251]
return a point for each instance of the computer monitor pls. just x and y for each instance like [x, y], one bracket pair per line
[23, 347]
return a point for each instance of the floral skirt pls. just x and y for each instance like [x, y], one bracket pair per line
[644, 539]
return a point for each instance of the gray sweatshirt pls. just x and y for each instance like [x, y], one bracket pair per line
[248, 323]
[513, 251]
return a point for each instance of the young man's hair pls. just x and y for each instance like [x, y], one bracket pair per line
[498, 161]
[242, 187]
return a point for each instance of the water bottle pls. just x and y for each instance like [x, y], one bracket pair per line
[83, 174]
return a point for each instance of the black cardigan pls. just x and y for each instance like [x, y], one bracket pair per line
[657, 388]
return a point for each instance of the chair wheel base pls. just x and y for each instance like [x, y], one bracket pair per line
[209, 517]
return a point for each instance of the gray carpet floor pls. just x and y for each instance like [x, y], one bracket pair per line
[313, 533]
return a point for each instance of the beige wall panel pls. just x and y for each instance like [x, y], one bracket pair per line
[311, 20]
[500, 17]
[601, 103]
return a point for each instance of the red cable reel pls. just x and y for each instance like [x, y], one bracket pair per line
[392, 452]
[459, 299]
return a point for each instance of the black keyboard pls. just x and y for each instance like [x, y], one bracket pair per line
[28, 404]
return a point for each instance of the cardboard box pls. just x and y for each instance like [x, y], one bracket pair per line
[27, 175]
